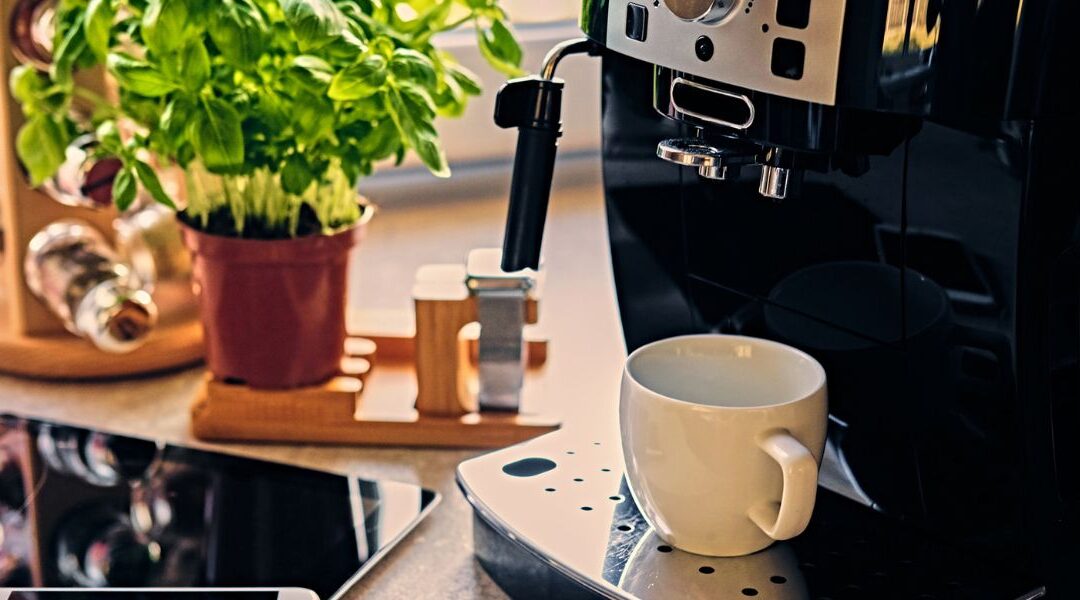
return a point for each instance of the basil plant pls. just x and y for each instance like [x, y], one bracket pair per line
[272, 109]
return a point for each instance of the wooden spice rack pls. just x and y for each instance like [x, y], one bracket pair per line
[33, 341]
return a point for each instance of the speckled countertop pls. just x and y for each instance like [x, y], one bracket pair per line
[578, 313]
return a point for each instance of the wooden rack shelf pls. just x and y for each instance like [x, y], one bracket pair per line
[33, 342]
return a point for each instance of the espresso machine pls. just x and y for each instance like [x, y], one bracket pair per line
[881, 184]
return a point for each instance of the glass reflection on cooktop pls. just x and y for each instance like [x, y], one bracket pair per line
[82, 508]
[154, 594]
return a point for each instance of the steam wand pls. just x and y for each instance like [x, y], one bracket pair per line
[534, 106]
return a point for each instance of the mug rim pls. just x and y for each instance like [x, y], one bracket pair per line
[818, 384]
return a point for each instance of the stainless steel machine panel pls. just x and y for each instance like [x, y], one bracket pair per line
[740, 42]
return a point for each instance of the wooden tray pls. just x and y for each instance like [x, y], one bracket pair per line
[372, 402]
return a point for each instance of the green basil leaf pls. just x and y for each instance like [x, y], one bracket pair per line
[296, 175]
[141, 109]
[465, 78]
[369, 109]
[352, 163]
[185, 155]
[344, 50]
[381, 142]
[166, 25]
[433, 19]
[217, 137]
[239, 31]
[194, 65]
[412, 113]
[97, 24]
[26, 85]
[383, 46]
[502, 51]
[429, 151]
[199, 11]
[272, 113]
[361, 10]
[169, 65]
[124, 189]
[314, 23]
[450, 100]
[315, 65]
[108, 136]
[41, 145]
[313, 118]
[410, 65]
[67, 55]
[32, 90]
[490, 10]
[418, 105]
[152, 184]
[360, 80]
[55, 99]
[139, 77]
[353, 132]
[311, 73]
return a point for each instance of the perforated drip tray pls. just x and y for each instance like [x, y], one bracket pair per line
[554, 519]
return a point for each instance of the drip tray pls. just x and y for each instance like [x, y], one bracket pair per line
[554, 518]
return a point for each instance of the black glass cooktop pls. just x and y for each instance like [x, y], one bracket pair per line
[149, 594]
[81, 508]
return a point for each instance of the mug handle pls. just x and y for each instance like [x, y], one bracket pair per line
[790, 517]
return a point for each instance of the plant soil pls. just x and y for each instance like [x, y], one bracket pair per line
[221, 222]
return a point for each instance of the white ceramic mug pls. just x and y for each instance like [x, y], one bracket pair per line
[722, 437]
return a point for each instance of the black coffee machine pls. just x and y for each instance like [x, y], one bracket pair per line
[882, 183]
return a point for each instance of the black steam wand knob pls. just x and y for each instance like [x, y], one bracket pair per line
[534, 106]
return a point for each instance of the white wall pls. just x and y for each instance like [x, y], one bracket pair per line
[542, 11]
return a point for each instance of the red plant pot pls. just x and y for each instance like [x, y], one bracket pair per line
[273, 311]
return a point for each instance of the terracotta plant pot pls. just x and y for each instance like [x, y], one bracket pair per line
[273, 311]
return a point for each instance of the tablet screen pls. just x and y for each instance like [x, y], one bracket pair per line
[82, 508]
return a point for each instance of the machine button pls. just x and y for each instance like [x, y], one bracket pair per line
[793, 13]
[788, 58]
[704, 49]
[701, 11]
[637, 22]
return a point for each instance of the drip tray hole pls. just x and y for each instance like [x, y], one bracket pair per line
[528, 467]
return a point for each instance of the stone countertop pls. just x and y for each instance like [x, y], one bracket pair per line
[578, 313]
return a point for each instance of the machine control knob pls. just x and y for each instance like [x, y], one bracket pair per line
[774, 182]
[710, 161]
[707, 11]
[690, 153]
